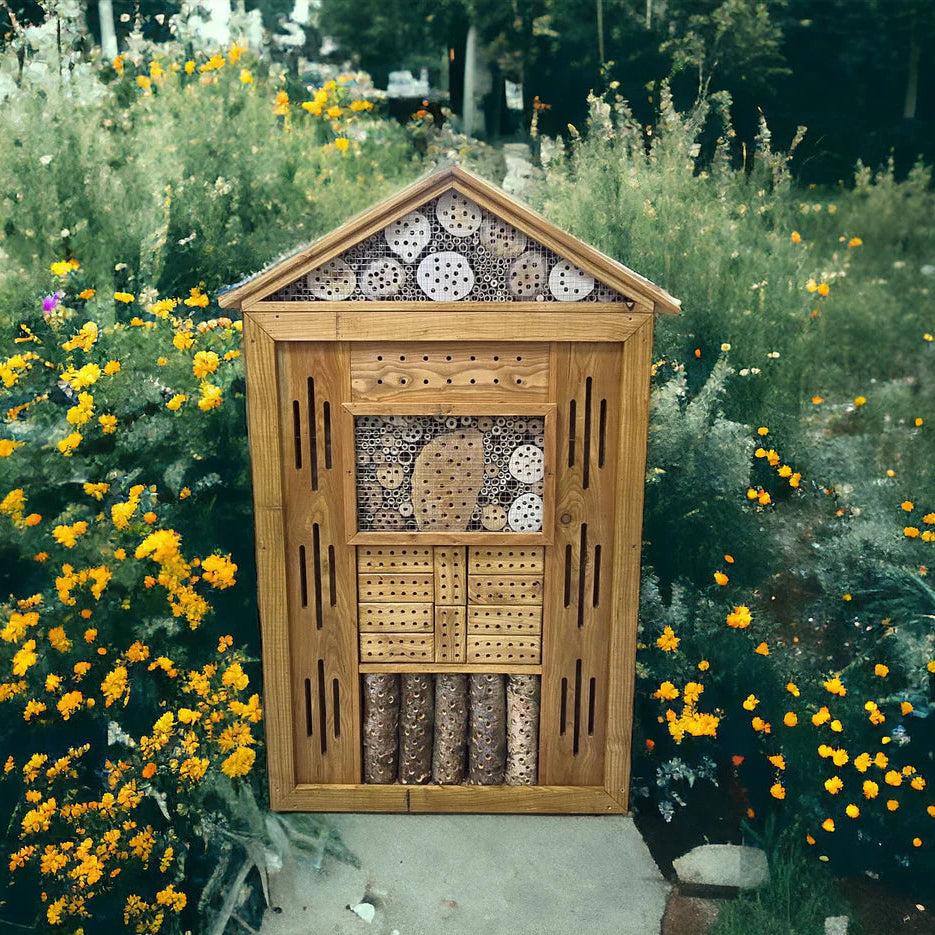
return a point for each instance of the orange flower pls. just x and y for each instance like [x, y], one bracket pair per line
[721, 578]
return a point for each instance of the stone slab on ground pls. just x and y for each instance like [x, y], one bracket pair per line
[477, 874]
[723, 865]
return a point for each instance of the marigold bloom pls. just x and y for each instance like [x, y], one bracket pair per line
[795, 237]
[852, 811]
[762, 649]
[704, 665]
[751, 702]
[828, 825]
[341, 144]
[793, 689]
[666, 691]
[892, 805]
[778, 760]
[854, 242]
[835, 687]
[893, 778]
[125, 297]
[834, 785]
[821, 716]
[668, 642]
[790, 719]
[777, 791]
[721, 578]
[862, 763]
[871, 789]
[860, 400]
[740, 618]
[760, 725]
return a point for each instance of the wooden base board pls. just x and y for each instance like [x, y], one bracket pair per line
[541, 800]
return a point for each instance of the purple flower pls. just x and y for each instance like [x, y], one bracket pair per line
[50, 302]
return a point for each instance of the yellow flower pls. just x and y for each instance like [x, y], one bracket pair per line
[834, 687]
[96, 490]
[668, 642]
[740, 618]
[852, 811]
[893, 778]
[823, 288]
[112, 367]
[795, 237]
[760, 725]
[281, 104]
[777, 790]
[892, 805]
[144, 82]
[197, 299]
[854, 242]
[818, 400]
[862, 763]
[125, 297]
[917, 783]
[205, 362]
[839, 757]
[8, 446]
[210, 396]
[235, 52]
[721, 578]
[751, 702]
[860, 400]
[790, 719]
[69, 703]
[821, 716]
[762, 649]
[235, 677]
[68, 444]
[834, 785]
[778, 761]
[666, 691]
[114, 685]
[245, 76]
[793, 689]
[239, 762]
[828, 825]
[341, 143]
[108, 424]
[871, 789]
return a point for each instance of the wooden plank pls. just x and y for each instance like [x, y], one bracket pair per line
[394, 559]
[628, 518]
[450, 576]
[579, 612]
[401, 588]
[490, 619]
[401, 371]
[345, 797]
[487, 561]
[505, 589]
[523, 669]
[396, 618]
[471, 404]
[393, 647]
[506, 650]
[425, 539]
[321, 592]
[540, 800]
[450, 633]
[496, 322]
[263, 436]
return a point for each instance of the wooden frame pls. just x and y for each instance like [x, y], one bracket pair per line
[595, 404]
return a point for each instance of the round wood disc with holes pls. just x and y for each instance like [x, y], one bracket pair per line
[408, 236]
[332, 281]
[445, 277]
[493, 517]
[383, 278]
[526, 513]
[390, 476]
[502, 239]
[387, 519]
[446, 479]
[568, 283]
[458, 215]
[528, 275]
[527, 464]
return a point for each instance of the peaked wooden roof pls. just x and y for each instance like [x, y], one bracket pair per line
[356, 229]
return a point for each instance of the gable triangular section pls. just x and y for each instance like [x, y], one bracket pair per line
[451, 238]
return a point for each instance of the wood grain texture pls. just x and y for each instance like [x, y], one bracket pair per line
[579, 613]
[396, 618]
[628, 524]
[450, 634]
[397, 647]
[406, 371]
[320, 566]
[482, 560]
[492, 619]
[265, 458]
[395, 559]
[411, 588]
[434, 666]
[507, 650]
[450, 576]
[533, 800]
[505, 589]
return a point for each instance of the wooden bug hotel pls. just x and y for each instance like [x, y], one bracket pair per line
[447, 413]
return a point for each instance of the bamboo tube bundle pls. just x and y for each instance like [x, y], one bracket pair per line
[381, 720]
[416, 723]
[487, 731]
[451, 724]
[522, 730]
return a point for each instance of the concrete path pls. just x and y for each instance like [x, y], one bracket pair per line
[476, 875]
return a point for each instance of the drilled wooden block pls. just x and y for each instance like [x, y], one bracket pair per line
[374, 560]
[506, 650]
[450, 575]
[506, 561]
[522, 730]
[397, 647]
[505, 589]
[504, 620]
[451, 725]
[450, 634]
[395, 618]
[416, 728]
[380, 724]
[397, 588]
[487, 730]
[446, 479]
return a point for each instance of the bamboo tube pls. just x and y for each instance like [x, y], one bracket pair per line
[416, 723]
[451, 722]
[522, 730]
[381, 720]
[487, 731]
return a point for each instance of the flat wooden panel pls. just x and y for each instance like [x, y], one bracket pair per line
[345, 797]
[542, 800]
[580, 565]
[399, 372]
[490, 619]
[345, 321]
[418, 588]
[504, 650]
[450, 576]
[506, 561]
[628, 520]
[505, 589]
[450, 633]
[416, 539]
[314, 429]
[265, 456]
[396, 647]
[375, 559]
[521, 669]
[395, 618]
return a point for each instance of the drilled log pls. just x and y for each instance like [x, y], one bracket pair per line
[522, 730]
[416, 723]
[487, 730]
[381, 720]
[451, 723]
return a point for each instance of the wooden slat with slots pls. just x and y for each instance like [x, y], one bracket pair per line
[397, 647]
[312, 382]
[504, 650]
[450, 633]
[505, 561]
[414, 588]
[579, 613]
[374, 559]
[450, 577]
[395, 618]
[505, 589]
[489, 619]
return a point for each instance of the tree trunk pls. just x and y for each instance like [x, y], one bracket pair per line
[451, 723]
[487, 755]
[522, 732]
[912, 81]
[381, 721]
[417, 715]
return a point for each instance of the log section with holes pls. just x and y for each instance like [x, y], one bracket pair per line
[448, 507]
